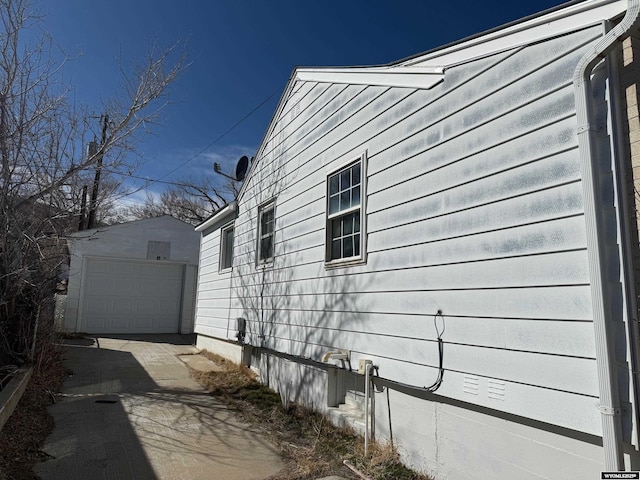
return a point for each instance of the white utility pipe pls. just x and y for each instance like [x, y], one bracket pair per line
[603, 329]
[367, 392]
[335, 355]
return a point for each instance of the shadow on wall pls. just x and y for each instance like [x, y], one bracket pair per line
[296, 328]
[300, 316]
[294, 308]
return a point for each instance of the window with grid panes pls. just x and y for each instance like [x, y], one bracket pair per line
[266, 232]
[344, 213]
[226, 247]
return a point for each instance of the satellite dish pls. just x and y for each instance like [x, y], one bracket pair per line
[241, 168]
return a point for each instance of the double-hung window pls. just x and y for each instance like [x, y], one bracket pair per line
[266, 232]
[226, 247]
[345, 225]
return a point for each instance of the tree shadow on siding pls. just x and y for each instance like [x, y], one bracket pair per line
[295, 308]
[294, 321]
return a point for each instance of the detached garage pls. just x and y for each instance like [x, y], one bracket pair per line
[135, 277]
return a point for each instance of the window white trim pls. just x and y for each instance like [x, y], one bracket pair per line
[224, 265]
[337, 211]
[265, 253]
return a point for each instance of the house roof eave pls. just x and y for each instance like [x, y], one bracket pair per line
[218, 217]
[426, 70]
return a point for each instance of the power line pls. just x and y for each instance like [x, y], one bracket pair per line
[150, 181]
[233, 127]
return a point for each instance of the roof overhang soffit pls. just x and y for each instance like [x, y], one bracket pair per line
[409, 77]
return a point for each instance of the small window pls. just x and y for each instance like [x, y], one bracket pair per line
[344, 213]
[226, 247]
[266, 232]
[158, 250]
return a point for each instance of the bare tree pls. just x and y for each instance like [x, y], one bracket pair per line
[43, 161]
[69, 200]
[189, 200]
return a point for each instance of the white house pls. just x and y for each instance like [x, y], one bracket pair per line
[464, 220]
[134, 277]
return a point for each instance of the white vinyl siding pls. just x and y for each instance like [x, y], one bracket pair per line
[212, 302]
[473, 206]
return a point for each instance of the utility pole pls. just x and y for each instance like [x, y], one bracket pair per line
[4, 148]
[83, 208]
[93, 204]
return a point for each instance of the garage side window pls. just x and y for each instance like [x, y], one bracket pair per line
[226, 247]
[266, 232]
[345, 222]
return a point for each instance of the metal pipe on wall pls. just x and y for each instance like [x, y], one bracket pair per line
[603, 329]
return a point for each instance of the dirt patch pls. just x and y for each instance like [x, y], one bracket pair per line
[30, 424]
[310, 444]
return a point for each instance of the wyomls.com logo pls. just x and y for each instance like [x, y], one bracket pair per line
[620, 475]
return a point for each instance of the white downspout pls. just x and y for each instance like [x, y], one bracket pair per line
[605, 360]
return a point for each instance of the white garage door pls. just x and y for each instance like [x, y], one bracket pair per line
[131, 296]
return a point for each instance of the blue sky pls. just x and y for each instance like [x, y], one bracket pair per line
[242, 53]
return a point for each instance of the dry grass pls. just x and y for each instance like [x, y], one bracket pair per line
[311, 445]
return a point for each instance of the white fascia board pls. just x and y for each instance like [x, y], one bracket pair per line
[397, 76]
[218, 217]
[539, 28]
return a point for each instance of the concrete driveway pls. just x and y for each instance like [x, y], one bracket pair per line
[131, 411]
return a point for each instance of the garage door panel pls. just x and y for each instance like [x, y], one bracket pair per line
[145, 305]
[100, 268]
[157, 288]
[98, 324]
[143, 323]
[119, 306]
[119, 323]
[132, 296]
[123, 288]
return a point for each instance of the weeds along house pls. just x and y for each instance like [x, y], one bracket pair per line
[490, 180]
